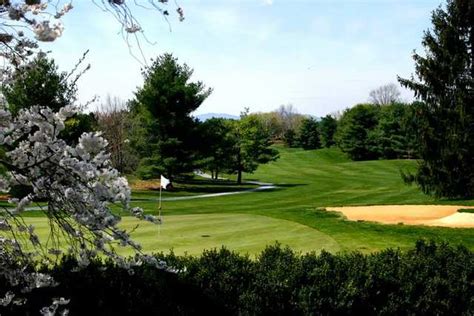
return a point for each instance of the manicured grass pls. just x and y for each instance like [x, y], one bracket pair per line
[308, 180]
[246, 233]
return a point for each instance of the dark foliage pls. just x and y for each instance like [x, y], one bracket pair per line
[395, 131]
[327, 130]
[445, 80]
[252, 145]
[76, 125]
[309, 134]
[290, 138]
[355, 133]
[39, 83]
[431, 279]
[369, 131]
[165, 137]
[216, 145]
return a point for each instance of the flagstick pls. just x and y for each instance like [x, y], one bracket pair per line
[159, 206]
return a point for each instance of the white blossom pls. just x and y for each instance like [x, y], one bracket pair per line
[77, 182]
[67, 7]
[4, 226]
[66, 112]
[4, 185]
[7, 299]
[61, 301]
[133, 28]
[14, 13]
[45, 32]
[22, 203]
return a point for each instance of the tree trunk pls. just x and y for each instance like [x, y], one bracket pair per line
[239, 177]
[239, 172]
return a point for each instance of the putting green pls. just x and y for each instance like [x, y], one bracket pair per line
[245, 233]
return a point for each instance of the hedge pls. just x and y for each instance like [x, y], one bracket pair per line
[430, 279]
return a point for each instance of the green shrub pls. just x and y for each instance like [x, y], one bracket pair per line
[431, 279]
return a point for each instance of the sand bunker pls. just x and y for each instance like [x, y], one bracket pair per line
[432, 215]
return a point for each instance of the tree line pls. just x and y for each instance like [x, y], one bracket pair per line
[159, 136]
[154, 133]
[364, 132]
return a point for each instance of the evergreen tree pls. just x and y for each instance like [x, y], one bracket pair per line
[395, 132]
[309, 134]
[39, 82]
[290, 138]
[445, 83]
[165, 103]
[327, 130]
[356, 133]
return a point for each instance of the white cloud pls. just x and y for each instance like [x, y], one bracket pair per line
[268, 2]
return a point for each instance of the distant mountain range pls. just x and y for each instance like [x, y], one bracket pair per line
[206, 116]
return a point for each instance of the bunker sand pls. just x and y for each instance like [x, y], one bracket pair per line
[430, 215]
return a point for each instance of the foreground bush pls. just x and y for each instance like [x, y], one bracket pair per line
[429, 279]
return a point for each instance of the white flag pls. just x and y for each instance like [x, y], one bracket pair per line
[164, 182]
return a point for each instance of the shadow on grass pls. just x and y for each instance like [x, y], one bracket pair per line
[211, 189]
[208, 182]
[207, 186]
[465, 201]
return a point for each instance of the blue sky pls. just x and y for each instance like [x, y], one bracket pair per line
[320, 56]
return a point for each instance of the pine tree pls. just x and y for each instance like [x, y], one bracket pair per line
[356, 132]
[327, 129]
[309, 134]
[445, 118]
[167, 139]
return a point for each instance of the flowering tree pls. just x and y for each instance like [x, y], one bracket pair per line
[21, 19]
[77, 182]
